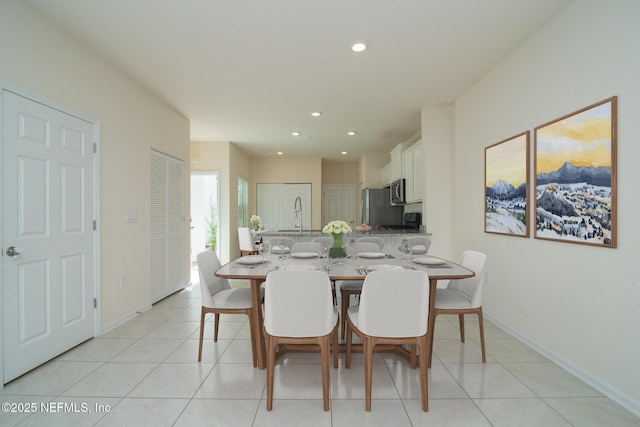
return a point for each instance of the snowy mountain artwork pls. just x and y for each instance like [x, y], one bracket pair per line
[575, 177]
[506, 189]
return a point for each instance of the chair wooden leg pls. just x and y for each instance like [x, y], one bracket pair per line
[254, 353]
[368, 344]
[461, 319]
[347, 357]
[333, 292]
[271, 361]
[334, 338]
[424, 376]
[481, 323]
[215, 327]
[430, 332]
[202, 315]
[414, 357]
[344, 306]
[325, 344]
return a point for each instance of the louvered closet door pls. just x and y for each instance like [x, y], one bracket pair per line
[167, 225]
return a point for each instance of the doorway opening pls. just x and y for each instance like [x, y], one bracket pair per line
[205, 214]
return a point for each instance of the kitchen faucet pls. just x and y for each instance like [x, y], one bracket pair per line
[297, 208]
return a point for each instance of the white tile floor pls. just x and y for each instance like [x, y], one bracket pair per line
[145, 373]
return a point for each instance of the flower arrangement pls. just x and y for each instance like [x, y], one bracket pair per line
[255, 222]
[337, 229]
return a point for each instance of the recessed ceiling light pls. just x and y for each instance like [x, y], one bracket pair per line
[295, 133]
[351, 132]
[316, 113]
[359, 46]
[344, 152]
[279, 153]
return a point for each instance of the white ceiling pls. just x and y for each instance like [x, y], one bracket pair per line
[251, 71]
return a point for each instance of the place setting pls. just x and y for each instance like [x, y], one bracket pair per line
[252, 261]
[431, 262]
[384, 267]
[304, 255]
[371, 255]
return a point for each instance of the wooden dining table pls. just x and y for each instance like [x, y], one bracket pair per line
[256, 268]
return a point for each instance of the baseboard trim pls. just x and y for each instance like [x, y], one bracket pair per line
[124, 319]
[622, 399]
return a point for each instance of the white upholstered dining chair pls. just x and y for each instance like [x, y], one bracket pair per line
[353, 287]
[306, 247]
[298, 309]
[219, 298]
[418, 244]
[323, 240]
[464, 296]
[246, 243]
[377, 240]
[394, 310]
[280, 245]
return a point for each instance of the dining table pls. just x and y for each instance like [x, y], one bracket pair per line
[255, 268]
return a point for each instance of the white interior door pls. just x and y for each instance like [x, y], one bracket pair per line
[270, 206]
[276, 205]
[291, 193]
[48, 217]
[338, 201]
[167, 225]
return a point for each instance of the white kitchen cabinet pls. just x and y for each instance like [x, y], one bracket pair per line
[413, 172]
[407, 164]
[386, 173]
[396, 163]
[418, 172]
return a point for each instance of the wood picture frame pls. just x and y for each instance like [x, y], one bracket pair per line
[575, 176]
[506, 186]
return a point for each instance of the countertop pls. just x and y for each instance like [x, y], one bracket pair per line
[356, 233]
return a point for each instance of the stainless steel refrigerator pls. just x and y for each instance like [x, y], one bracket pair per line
[376, 209]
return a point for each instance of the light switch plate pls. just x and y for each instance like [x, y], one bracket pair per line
[132, 216]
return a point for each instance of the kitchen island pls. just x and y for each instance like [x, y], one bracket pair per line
[392, 238]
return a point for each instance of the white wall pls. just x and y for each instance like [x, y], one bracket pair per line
[577, 303]
[44, 60]
[437, 204]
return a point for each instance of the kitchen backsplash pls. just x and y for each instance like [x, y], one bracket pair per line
[413, 207]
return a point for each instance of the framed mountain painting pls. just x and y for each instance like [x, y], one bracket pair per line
[575, 176]
[506, 189]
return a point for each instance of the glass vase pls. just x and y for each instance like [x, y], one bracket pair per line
[336, 251]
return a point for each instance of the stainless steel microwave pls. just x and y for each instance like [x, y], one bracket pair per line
[397, 192]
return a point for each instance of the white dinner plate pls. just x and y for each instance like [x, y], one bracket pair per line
[251, 259]
[429, 261]
[304, 255]
[384, 267]
[371, 255]
[280, 250]
[299, 267]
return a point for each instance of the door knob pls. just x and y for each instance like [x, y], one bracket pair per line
[13, 252]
